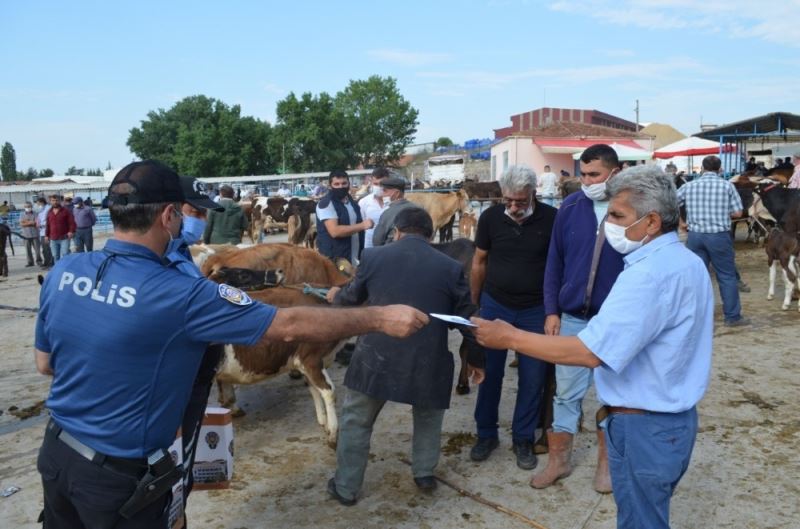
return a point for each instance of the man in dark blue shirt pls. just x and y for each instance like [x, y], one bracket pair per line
[123, 332]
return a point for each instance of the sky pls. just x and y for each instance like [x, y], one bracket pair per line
[76, 76]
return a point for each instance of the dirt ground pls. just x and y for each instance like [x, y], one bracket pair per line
[744, 471]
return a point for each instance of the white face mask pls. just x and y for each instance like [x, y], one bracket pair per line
[596, 192]
[377, 191]
[615, 235]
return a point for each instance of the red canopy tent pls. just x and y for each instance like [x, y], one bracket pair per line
[692, 146]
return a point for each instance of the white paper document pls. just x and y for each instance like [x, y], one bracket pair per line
[458, 320]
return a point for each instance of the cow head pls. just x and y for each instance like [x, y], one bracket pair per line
[248, 279]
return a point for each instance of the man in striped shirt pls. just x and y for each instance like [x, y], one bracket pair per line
[711, 202]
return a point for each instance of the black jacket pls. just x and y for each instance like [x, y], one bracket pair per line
[417, 370]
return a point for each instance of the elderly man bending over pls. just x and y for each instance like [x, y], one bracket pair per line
[651, 343]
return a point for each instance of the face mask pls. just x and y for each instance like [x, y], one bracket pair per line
[339, 192]
[377, 191]
[192, 230]
[28, 210]
[596, 192]
[615, 235]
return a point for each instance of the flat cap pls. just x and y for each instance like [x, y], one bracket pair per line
[395, 182]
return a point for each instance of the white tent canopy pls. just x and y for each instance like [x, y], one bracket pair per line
[624, 153]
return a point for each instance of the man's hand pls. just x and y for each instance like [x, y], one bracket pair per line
[368, 224]
[495, 334]
[552, 325]
[332, 294]
[46, 240]
[69, 235]
[476, 374]
[400, 321]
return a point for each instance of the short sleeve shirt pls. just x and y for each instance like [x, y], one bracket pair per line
[329, 212]
[125, 350]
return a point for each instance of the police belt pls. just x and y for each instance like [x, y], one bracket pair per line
[130, 467]
[155, 475]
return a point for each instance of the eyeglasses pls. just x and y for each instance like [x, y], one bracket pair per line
[516, 201]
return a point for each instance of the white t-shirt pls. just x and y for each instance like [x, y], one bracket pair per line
[329, 212]
[547, 185]
[371, 208]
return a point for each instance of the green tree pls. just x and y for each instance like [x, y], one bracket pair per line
[379, 122]
[74, 171]
[94, 172]
[202, 136]
[30, 174]
[309, 135]
[444, 141]
[8, 162]
[46, 173]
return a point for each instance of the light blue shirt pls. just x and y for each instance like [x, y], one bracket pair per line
[654, 331]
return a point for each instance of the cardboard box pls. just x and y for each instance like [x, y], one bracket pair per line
[176, 508]
[213, 463]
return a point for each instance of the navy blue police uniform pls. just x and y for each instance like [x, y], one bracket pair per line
[126, 332]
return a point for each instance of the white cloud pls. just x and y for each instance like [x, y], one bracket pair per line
[769, 20]
[408, 58]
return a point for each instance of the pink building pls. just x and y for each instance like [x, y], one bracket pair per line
[555, 144]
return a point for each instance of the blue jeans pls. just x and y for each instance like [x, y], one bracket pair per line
[647, 456]
[717, 248]
[531, 374]
[59, 248]
[572, 383]
[83, 240]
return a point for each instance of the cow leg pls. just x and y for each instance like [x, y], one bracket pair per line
[788, 286]
[773, 270]
[462, 388]
[321, 387]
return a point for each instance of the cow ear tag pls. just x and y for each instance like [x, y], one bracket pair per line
[234, 295]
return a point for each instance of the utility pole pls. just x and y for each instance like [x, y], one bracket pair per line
[283, 155]
[637, 115]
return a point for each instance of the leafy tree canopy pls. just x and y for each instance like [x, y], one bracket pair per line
[8, 162]
[444, 141]
[379, 122]
[202, 136]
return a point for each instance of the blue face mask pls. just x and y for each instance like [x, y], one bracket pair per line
[192, 230]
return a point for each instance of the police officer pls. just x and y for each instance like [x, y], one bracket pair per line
[123, 333]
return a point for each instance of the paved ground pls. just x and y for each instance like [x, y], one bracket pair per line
[743, 475]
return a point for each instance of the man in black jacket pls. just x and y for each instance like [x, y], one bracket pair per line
[416, 371]
[340, 228]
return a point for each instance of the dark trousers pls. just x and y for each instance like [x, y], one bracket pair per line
[83, 240]
[32, 247]
[531, 374]
[195, 410]
[80, 494]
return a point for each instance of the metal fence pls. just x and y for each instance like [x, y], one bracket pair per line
[103, 222]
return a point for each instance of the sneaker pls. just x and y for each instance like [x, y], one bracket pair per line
[741, 322]
[336, 496]
[526, 459]
[28, 265]
[743, 287]
[483, 448]
[426, 483]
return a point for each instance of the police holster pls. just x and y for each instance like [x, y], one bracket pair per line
[162, 474]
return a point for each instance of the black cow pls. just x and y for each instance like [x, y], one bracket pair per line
[778, 199]
[5, 235]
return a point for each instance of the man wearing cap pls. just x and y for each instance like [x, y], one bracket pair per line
[392, 188]
[794, 181]
[120, 389]
[84, 220]
[228, 225]
[417, 370]
[340, 227]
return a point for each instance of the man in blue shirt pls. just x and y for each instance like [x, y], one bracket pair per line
[122, 332]
[651, 344]
[581, 269]
[711, 202]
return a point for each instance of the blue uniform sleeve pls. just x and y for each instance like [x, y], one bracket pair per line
[218, 315]
[632, 315]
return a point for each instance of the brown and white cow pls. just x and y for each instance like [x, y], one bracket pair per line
[783, 248]
[242, 364]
